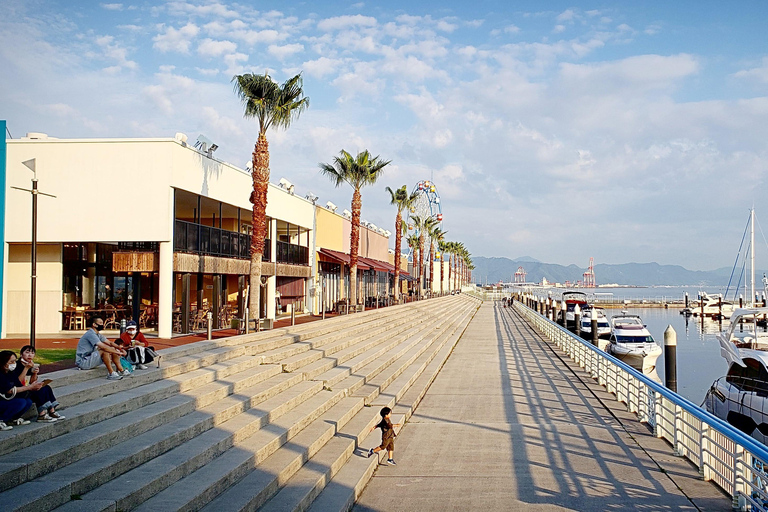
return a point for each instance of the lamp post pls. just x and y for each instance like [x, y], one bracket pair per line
[31, 165]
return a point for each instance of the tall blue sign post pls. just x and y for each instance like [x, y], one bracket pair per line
[2, 218]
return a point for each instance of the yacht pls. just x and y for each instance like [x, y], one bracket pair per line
[713, 305]
[603, 326]
[631, 342]
[741, 396]
[571, 300]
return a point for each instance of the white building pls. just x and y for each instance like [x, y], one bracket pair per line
[150, 229]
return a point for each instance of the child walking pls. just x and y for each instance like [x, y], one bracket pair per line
[387, 435]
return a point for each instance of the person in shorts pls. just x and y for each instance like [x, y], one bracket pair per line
[94, 349]
[387, 435]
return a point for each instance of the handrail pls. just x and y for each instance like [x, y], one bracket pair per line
[725, 455]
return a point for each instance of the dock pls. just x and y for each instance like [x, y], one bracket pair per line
[511, 423]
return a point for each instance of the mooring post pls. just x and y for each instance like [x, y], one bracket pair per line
[670, 358]
[720, 307]
[577, 320]
[686, 300]
[563, 309]
[594, 328]
[741, 301]
[701, 305]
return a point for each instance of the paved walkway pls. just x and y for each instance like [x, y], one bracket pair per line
[509, 425]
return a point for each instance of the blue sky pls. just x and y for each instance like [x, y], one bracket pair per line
[560, 130]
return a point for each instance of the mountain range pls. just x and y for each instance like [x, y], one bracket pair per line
[626, 274]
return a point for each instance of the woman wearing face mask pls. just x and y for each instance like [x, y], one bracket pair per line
[131, 340]
[13, 402]
[44, 399]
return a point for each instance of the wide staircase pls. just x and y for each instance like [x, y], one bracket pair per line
[271, 421]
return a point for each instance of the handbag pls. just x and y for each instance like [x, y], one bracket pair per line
[126, 364]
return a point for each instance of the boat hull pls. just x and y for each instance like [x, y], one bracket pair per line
[745, 410]
[640, 358]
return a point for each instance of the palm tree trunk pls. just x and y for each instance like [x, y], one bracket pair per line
[260, 176]
[398, 241]
[354, 245]
[431, 266]
[421, 265]
[442, 273]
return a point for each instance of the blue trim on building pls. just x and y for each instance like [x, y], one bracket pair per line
[3, 158]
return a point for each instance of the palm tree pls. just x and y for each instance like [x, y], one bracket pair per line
[402, 200]
[272, 105]
[358, 172]
[413, 243]
[423, 225]
[442, 247]
[436, 235]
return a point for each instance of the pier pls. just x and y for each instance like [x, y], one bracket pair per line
[511, 423]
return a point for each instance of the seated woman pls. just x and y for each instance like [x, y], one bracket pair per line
[131, 340]
[13, 402]
[43, 398]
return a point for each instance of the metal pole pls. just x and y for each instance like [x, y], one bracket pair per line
[670, 358]
[210, 323]
[246, 320]
[33, 289]
[322, 297]
[293, 314]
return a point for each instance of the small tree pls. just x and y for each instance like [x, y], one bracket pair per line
[358, 172]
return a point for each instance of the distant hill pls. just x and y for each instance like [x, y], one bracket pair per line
[637, 274]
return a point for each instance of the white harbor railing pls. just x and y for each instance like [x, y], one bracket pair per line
[737, 463]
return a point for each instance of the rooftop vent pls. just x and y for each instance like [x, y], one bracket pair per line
[36, 136]
[331, 206]
[205, 145]
[347, 214]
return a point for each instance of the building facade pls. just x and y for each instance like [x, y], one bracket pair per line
[149, 229]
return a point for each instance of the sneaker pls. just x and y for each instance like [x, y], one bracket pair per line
[46, 419]
[126, 373]
[19, 421]
[391, 462]
[114, 376]
[141, 366]
[370, 453]
[56, 415]
[3, 426]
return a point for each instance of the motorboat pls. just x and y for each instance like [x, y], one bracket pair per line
[603, 326]
[572, 299]
[631, 342]
[741, 396]
[713, 305]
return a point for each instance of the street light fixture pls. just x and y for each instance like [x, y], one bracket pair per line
[31, 165]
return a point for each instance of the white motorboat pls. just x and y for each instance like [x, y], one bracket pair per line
[603, 326]
[713, 305]
[572, 299]
[631, 342]
[741, 397]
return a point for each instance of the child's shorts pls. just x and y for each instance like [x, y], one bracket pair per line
[388, 444]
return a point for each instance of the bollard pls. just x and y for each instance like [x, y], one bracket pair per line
[686, 300]
[670, 359]
[563, 310]
[123, 324]
[577, 320]
[741, 301]
[247, 321]
[720, 307]
[701, 306]
[293, 315]
[594, 328]
[210, 324]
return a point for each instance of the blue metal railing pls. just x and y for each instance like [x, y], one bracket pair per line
[723, 454]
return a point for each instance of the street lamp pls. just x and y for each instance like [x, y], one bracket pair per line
[31, 165]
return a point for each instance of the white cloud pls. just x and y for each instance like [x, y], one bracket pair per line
[567, 15]
[321, 67]
[112, 7]
[343, 22]
[444, 26]
[558, 29]
[757, 74]
[211, 48]
[282, 52]
[175, 40]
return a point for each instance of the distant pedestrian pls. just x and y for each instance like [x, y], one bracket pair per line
[387, 435]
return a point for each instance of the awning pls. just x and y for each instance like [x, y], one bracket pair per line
[341, 257]
[407, 277]
[374, 264]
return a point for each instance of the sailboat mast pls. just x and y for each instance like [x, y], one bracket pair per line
[752, 253]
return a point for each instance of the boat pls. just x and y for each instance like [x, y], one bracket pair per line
[712, 305]
[741, 396]
[631, 342]
[603, 326]
[572, 299]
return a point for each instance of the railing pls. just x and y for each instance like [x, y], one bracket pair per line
[724, 455]
[291, 253]
[198, 239]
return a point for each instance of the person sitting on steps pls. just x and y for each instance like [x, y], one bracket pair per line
[13, 400]
[43, 398]
[94, 349]
[131, 340]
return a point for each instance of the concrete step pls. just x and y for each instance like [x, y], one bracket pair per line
[47, 456]
[291, 439]
[139, 484]
[348, 483]
[87, 474]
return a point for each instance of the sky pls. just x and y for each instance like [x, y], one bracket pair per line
[627, 132]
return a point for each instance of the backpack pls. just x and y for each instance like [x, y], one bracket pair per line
[143, 355]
